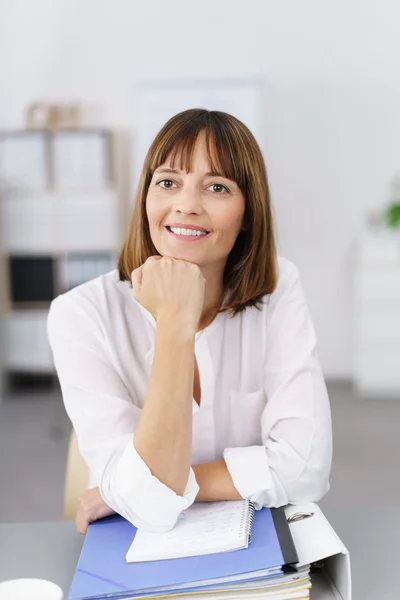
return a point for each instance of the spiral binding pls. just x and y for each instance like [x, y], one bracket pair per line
[250, 520]
[247, 519]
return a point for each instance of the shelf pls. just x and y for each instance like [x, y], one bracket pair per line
[53, 193]
[60, 226]
[27, 345]
[19, 306]
[46, 159]
[30, 369]
[71, 221]
[52, 131]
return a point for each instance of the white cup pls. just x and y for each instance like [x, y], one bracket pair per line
[30, 589]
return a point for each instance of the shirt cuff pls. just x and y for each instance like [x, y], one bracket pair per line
[147, 502]
[251, 474]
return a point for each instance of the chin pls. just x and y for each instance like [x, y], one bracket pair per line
[181, 256]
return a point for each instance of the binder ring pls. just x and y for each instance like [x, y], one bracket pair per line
[299, 517]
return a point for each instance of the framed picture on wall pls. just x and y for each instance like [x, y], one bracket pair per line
[157, 101]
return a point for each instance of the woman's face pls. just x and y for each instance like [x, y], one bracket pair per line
[194, 216]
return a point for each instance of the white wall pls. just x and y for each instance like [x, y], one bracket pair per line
[332, 104]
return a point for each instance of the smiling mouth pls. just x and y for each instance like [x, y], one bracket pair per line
[187, 233]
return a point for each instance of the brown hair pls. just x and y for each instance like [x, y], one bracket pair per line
[251, 267]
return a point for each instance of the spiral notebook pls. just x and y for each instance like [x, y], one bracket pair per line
[204, 528]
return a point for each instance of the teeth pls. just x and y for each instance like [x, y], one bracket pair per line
[190, 232]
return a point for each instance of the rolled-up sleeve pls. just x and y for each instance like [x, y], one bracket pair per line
[294, 462]
[105, 417]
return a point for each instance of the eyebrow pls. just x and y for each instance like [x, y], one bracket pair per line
[166, 170]
[177, 172]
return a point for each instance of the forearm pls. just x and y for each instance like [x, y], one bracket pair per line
[215, 482]
[163, 437]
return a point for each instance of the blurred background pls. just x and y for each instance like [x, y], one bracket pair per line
[84, 87]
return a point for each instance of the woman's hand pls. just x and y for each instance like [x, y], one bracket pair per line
[91, 507]
[170, 289]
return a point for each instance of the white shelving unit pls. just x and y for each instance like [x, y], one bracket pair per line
[377, 314]
[61, 224]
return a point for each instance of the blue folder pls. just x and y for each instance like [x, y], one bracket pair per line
[102, 571]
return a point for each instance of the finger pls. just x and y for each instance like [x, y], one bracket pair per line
[153, 259]
[136, 276]
[81, 523]
[105, 511]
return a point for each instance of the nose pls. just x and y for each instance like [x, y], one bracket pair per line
[189, 203]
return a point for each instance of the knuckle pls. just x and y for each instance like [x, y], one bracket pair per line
[150, 261]
[166, 261]
[194, 269]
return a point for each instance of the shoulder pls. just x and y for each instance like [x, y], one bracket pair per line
[288, 281]
[89, 305]
[288, 277]
[287, 270]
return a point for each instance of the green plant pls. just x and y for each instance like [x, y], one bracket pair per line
[393, 215]
[392, 212]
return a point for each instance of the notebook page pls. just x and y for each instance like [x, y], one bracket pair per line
[204, 528]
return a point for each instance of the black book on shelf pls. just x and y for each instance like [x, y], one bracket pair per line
[31, 279]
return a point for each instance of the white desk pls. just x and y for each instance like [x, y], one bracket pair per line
[51, 550]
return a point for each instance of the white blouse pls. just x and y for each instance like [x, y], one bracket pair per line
[264, 405]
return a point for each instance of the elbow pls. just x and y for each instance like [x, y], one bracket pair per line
[153, 525]
[142, 512]
[312, 482]
[299, 477]
[153, 518]
[142, 499]
[128, 487]
[311, 486]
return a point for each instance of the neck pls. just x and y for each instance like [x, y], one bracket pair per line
[214, 292]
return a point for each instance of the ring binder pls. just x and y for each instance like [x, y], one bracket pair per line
[299, 516]
[318, 545]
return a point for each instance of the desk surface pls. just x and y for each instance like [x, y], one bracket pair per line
[51, 550]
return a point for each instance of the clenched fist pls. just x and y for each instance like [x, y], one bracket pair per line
[170, 289]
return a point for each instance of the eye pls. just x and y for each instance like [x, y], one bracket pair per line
[167, 184]
[218, 188]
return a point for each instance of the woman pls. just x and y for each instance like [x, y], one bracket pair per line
[191, 373]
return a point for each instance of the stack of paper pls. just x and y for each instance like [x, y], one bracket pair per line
[257, 571]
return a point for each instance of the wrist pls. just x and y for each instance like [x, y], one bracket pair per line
[176, 325]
